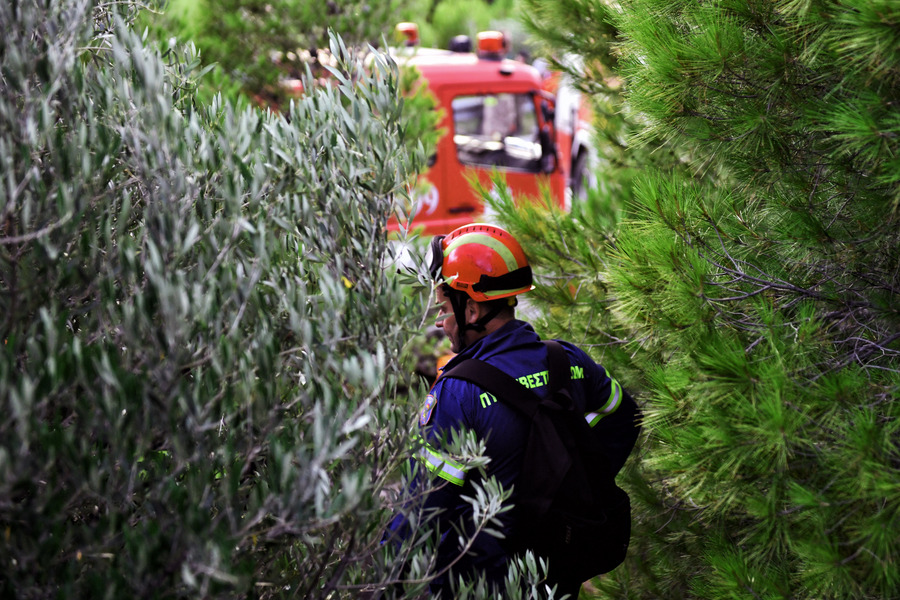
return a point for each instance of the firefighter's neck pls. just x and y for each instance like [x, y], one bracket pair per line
[475, 312]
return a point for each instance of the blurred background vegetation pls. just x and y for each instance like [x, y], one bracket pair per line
[252, 46]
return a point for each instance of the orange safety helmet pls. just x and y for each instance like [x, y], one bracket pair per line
[483, 261]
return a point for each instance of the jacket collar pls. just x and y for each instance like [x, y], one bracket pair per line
[512, 334]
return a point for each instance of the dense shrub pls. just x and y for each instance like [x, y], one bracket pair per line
[202, 374]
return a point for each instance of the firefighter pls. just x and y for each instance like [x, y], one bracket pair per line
[480, 270]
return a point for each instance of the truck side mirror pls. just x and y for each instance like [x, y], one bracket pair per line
[548, 150]
[548, 111]
[547, 134]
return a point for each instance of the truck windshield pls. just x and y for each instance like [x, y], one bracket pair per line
[497, 130]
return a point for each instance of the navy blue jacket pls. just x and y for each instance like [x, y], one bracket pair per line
[454, 404]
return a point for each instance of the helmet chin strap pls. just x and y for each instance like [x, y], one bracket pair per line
[458, 303]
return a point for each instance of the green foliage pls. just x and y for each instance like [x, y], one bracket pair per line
[440, 21]
[421, 115]
[751, 283]
[466, 17]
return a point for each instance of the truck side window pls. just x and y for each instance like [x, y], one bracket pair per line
[497, 130]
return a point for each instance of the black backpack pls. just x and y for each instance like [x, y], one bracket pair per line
[570, 509]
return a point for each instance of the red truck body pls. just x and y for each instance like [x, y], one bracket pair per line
[497, 118]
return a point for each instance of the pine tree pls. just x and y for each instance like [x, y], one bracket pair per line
[752, 284]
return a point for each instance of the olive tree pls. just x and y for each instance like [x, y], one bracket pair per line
[203, 368]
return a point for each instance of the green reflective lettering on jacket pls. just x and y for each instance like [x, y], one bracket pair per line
[534, 380]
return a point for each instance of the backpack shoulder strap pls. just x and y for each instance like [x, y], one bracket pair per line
[507, 389]
[501, 384]
[560, 369]
[548, 451]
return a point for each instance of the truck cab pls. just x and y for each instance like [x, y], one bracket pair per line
[497, 118]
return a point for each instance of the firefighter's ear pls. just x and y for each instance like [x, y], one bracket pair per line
[474, 311]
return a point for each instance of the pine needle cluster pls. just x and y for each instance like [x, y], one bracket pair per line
[752, 286]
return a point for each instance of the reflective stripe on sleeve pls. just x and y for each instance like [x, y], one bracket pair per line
[443, 467]
[615, 397]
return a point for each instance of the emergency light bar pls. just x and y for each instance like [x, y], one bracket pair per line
[409, 32]
[491, 44]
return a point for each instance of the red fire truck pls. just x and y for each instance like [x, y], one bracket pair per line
[498, 118]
